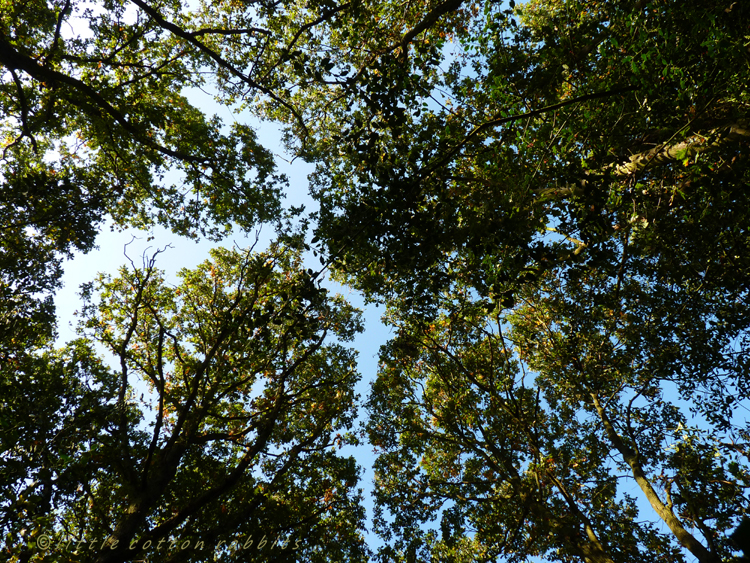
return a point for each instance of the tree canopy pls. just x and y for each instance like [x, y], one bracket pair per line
[550, 198]
[222, 420]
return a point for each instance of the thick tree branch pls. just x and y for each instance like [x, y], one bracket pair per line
[630, 457]
[25, 129]
[698, 143]
[429, 20]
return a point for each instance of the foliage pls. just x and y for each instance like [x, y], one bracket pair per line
[221, 421]
[96, 122]
[53, 403]
[95, 95]
[551, 199]
[521, 429]
[43, 219]
[461, 152]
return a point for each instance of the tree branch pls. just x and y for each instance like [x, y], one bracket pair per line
[14, 60]
[698, 143]
[701, 142]
[432, 16]
[494, 122]
[685, 538]
[213, 55]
